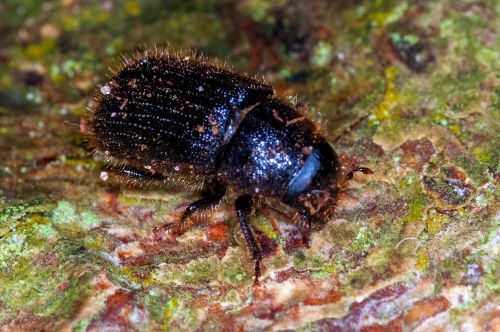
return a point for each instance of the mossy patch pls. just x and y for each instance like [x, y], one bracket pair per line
[64, 213]
[422, 262]
[387, 108]
[359, 279]
[304, 262]
[435, 222]
[207, 270]
[265, 227]
[417, 200]
[39, 280]
[363, 241]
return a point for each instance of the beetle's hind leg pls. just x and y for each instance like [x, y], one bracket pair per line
[212, 195]
[243, 205]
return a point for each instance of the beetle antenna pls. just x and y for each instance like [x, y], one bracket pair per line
[364, 170]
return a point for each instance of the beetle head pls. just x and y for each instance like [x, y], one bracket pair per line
[313, 191]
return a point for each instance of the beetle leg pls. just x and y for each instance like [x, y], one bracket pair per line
[364, 170]
[136, 174]
[212, 196]
[306, 230]
[243, 205]
[211, 199]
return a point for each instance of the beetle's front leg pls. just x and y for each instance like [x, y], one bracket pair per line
[306, 229]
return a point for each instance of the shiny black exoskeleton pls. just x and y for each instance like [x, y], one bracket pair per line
[194, 122]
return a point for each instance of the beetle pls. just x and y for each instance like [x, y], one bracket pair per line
[190, 120]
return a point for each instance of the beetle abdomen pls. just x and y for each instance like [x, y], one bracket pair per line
[172, 114]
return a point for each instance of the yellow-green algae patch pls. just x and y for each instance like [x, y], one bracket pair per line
[422, 259]
[265, 227]
[411, 187]
[136, 276]
[207, 270]
[363, 241]
[89, 219]
[64, 213]
[302, 261]
[38, 270]
[435, 222]
[387, 108]
[162, 202]
[66, 216]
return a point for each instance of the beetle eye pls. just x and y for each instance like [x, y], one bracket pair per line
[305, 176]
